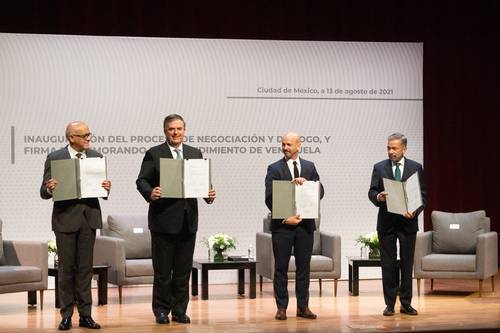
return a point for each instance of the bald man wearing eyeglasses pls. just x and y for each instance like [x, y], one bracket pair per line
[74, 223]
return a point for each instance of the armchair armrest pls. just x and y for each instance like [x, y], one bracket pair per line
[264, 255]
[487, 255]
[111, 251]
[423, 247]
[27, 253]
[331, 247]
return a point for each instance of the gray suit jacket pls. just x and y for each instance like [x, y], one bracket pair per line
[68, 215]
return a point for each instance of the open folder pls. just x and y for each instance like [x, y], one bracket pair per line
[403, 197]
[290, 199]
[190, 178]
[79, 178]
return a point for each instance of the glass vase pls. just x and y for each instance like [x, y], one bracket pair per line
[219, 256]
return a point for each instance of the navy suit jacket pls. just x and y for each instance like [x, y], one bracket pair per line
[68, 215]
[166, 215]
[279, 171]
[389, 222]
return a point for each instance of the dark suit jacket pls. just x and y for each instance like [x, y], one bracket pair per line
[68, 215]
[279, 171]
[388, 222]
[166, 215]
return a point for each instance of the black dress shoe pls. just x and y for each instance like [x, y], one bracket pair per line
[183, 318]
[65, 324]
[305, 313]
[389, 311]
[162, 318]
[88, 322]
[280, 314]
[408, 309]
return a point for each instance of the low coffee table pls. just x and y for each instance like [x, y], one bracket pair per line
[206, 265]
[102, 283]
[354, 264]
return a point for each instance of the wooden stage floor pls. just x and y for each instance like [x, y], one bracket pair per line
[445, 310]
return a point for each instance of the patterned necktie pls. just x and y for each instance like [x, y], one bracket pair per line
[295, 170]
[178, 153]
[79, 155]
[397, 172]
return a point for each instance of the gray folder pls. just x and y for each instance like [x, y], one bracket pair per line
[283, 199]
[66, 174]
[171, 178]
[178, 178]
[78, 179]
[403, 197]
[290, 199]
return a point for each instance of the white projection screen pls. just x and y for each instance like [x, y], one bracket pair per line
[237, 97]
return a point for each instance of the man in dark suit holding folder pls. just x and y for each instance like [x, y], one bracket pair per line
[292, 232]
[74, 223]
[391, 227]
[173, 223]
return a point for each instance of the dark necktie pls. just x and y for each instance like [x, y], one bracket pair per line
[295, 170]
[397, 172]
[79, 155]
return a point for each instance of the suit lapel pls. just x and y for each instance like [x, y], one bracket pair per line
[165, 151]
[407, 171]
[388, 170]
[286, 169]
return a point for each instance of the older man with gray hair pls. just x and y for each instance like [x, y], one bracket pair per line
[393, 227]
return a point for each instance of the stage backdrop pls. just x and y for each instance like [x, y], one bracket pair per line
[237, 97]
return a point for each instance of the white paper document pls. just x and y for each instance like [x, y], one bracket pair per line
[290, 199]
[92, 174]
[196, 178]
[307, 199]
[403, 197]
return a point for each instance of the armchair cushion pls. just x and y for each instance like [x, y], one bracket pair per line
[139, 267]
[319, 263]
[449, 262]
[134, 231]
[456, 233]
[2, 257]
[19, 274]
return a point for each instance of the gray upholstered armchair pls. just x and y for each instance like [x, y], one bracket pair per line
[125, 245]
[460, 246]
[23, 267]
[325, 261]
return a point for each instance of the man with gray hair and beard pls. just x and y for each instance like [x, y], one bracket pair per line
[393, 227]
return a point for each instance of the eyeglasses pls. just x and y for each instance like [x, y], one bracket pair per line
[85, 136]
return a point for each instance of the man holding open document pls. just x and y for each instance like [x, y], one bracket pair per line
[398, 189]
[292, 189]
[74, 177]
[172, 176]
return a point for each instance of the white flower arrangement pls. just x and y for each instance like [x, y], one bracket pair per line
[370, 241]
[52, 246]
[220, 242]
